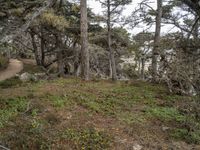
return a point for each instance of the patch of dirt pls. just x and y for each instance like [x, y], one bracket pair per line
[15, 66]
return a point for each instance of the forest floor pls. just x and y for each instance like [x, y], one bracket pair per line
[64, 114]
[15, 66]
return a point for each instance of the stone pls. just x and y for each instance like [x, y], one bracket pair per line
[165, 128]
[26, 77]
[137, 147]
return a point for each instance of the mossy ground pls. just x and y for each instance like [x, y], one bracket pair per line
[75, 114]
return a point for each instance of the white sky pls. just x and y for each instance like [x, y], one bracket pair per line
[96, 8]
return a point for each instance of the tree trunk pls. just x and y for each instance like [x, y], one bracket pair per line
[142, 69]
[112, 57]
[85, 64]
[60, 64]
[155, 52]
[35, 49]
[59, 55]
[42, 44]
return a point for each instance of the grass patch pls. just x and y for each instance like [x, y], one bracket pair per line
[60, 101]
[15, 81]
[10, 108]
[87, 139]
[131, 118]
[121, 105]
[188, 136]
[166, 114]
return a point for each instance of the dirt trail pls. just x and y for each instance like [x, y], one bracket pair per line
[14, 67]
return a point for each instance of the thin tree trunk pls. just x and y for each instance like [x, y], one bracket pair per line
[139, 66]
[35, 49]
[85, 65]
[112, 57]
[142, 69]
[59, 55]
[156, 41]
[42, 44]
[60, 63]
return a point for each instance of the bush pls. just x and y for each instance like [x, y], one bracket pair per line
[3, 62]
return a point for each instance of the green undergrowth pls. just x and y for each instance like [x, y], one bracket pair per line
[60, 101]
[129, 103]
[10, 108]
[86, 139]
[188, 136]
[32, 68]
[3, 62]
[15, 81]
[166, 114]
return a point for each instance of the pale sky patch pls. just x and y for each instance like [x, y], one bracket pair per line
[97, 9]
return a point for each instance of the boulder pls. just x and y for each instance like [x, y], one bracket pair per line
[26, 77]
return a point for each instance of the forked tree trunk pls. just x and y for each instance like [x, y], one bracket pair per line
[85, 66]
[155, 52]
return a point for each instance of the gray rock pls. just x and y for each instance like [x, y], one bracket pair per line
[137, 147]
[26, 77]
[165, 128]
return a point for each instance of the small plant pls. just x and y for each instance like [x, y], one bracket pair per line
[3, 62]
[10, 82]
[34, 112]
[57, 101]
[188, 136]
[10, 108]
[166, 114]
[87, 139]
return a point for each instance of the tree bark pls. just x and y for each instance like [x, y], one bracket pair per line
[35, 49]
[142, 68]
[85, 65]
[59, 55]
[42, 44]
[60, 64]
[112, 55]
[155, 52]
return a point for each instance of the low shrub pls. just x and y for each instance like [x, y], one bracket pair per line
[3, 62]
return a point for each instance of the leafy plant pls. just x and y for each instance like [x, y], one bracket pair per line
[87, 139]
[166, 114]
[10, 108]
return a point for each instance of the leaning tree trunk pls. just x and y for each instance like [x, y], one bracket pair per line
[85, 66]
[112, 56]
[155, 52]
[35, 49]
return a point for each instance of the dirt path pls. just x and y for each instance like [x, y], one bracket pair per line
[14, 67]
